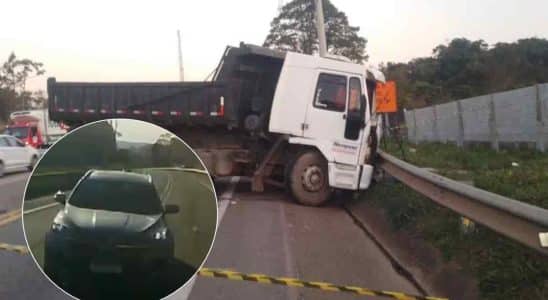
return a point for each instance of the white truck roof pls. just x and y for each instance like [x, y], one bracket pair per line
[297, 84]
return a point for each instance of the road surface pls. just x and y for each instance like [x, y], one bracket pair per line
[258, 233]
[269, 234]
[20, 278]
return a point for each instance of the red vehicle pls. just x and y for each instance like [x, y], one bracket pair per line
[34, 128]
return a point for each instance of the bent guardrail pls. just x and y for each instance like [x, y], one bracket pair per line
[522, 222]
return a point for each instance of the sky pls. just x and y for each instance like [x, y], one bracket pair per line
[137, 40]
[136, 131]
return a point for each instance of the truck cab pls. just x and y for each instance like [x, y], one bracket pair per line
[34, 128]
[27, 131]
[327, 105]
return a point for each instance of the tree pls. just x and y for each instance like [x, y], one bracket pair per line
[38, 99]
[13, 78]
[294, 29]
[464, 68]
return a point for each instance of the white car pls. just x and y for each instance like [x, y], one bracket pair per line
[15, 155]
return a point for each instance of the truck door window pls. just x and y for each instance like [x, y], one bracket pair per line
[370, 93]
[331, 92]
[3, 142]
[355, 115]
[354, 91]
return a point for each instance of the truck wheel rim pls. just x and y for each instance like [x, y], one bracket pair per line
[313, 178]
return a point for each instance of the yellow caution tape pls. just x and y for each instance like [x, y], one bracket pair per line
[325, 286]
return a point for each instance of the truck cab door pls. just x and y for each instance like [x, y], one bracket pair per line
[331, 118]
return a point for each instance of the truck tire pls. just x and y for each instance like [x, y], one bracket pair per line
[1, 169]
[307, 179]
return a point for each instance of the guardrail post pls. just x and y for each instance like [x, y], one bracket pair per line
[435, 132]
[493, 132]
[460, 132]
[415, 129]
[541, 115]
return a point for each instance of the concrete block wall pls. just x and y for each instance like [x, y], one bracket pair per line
[516, 116]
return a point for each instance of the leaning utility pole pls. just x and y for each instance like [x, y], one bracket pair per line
[320, 27]
[181, 70]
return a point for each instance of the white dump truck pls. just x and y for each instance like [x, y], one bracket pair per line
[286, 119]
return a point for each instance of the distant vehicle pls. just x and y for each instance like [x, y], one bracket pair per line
[34, 128]
[112, 223]
[15, 155]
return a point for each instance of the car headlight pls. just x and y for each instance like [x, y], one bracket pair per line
[58, 227]
[160, 234]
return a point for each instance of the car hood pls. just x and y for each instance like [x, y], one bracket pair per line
[93, 219]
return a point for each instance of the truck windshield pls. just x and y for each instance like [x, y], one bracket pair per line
[18, 132]
[116, 195]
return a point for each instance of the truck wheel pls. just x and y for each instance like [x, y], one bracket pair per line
[1, 169]
[308, 179]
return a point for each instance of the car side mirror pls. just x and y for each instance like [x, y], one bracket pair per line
[60, 197]
[171, 209]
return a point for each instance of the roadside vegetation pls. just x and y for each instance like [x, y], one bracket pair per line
[502, 268]
[515, 173]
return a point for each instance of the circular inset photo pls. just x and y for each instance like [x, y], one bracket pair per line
[120, 209]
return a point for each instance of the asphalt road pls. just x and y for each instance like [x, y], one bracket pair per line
[12, 187]
[270, 234]
[20, 278]
[258, 233]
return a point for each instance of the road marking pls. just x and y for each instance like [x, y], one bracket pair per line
[14, 248]
[14, 178]
[224, 201]
[30, 211]
[10, 217]
[231, 188]
[294, 282]
[16, 214]
[289, 262]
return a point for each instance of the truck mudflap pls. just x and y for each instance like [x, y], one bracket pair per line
[349, 177]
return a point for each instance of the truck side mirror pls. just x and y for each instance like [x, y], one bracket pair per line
[358, 116]
[363, 105]
[60, 197]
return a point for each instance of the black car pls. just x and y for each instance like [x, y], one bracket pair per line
[112, 224]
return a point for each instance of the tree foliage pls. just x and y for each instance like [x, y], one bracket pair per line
[14, 73]
[294, 29]
[465, 68]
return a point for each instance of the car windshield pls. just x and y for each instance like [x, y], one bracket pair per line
[117, 195]
[18, 132]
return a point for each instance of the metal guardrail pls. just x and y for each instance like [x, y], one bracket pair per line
[522, 222]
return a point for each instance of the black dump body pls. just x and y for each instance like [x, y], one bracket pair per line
[244, 80]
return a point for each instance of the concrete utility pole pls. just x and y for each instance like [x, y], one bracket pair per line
[181, 70]
[320, 25]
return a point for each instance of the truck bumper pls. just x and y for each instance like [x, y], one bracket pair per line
[349, 177]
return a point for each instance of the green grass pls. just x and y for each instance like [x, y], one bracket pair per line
[503, 268]
[488, 169]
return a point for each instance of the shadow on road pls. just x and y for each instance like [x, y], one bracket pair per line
[154, 284]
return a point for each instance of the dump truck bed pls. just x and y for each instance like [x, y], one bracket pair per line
[243, 83]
